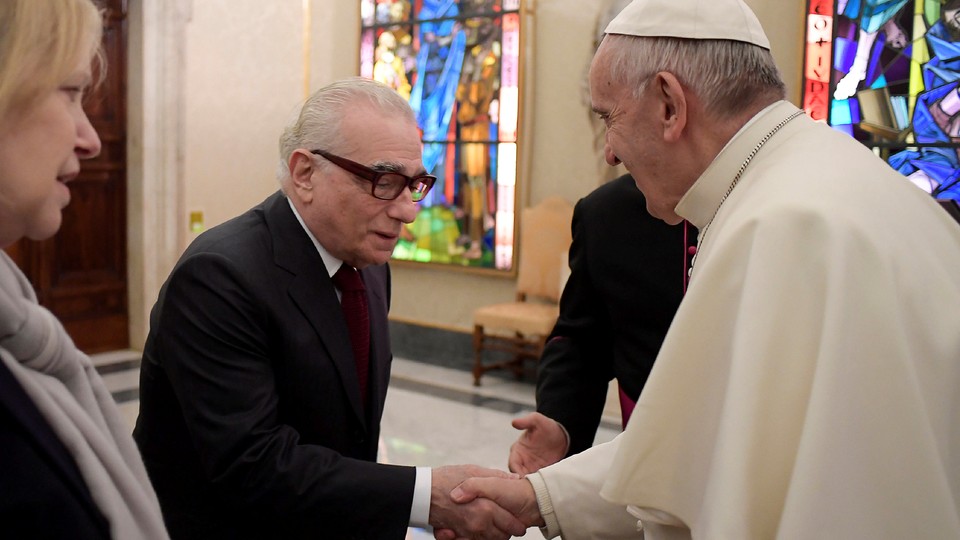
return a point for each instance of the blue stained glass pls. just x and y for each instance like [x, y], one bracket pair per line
[900, 111]
[852, 9]
[436, 195]
[899, 68]
[846, 128]
[876, 13]
[438, 65]
[844, 52]
[938, 168]
[875, 65]
[445, 58]
[840, 112]
[886, 34]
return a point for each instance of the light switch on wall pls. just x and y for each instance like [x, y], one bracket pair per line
[196, 221]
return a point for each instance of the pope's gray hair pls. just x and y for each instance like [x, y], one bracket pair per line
[728, 76]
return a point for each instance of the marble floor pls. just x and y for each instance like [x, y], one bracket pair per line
[433, 416]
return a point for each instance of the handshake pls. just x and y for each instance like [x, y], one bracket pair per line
[467, 501]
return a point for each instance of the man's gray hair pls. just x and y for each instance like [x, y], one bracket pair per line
[728, 76]
[318, 124]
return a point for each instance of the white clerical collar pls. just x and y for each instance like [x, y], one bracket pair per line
[750, 122]
[332, 263]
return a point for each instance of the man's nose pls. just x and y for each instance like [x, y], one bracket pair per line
[403, 208]
[609, 156]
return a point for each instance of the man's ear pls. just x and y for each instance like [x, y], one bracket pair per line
[673, 101]
[302, 167]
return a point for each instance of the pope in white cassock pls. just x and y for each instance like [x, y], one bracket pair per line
[809, 386]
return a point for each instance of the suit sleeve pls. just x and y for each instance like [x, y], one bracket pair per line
[217, 350]
[577, 364]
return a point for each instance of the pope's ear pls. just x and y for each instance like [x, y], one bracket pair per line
[674, 104]
[302, 166]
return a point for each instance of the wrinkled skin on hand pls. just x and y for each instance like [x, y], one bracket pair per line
[513, 495]
[479, 519]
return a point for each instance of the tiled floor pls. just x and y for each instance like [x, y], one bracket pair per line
[434, 415]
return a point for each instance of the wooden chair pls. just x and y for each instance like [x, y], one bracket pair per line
[521, 327]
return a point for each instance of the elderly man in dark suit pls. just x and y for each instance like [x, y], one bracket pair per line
[266, 368]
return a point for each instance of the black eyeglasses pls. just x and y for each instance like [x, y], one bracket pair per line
[385, 185]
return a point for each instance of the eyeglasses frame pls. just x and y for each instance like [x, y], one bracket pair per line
[373, 176]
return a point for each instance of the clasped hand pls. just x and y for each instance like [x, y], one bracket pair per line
[490, 505]
[473, 502]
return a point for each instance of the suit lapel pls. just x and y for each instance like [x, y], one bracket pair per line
[312, 291]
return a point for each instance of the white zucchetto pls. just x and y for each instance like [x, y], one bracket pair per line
[690, 19]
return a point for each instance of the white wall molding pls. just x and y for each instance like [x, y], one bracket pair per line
[155, 158]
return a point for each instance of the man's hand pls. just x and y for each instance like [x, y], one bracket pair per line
[515, 495]
[542, 443]
[481, 519]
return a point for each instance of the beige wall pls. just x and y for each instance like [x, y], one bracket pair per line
[246, 75]
[243, 80]
[246, 72]
[784, 24]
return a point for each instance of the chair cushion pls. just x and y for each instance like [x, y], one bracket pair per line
[524, 317]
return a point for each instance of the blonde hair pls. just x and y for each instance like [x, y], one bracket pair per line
[41, 43]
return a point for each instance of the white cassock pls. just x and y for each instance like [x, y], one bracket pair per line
[809, 386]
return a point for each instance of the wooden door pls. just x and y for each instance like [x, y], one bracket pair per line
[81, 273]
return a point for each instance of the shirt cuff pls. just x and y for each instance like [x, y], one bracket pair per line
[551, 528]
[566, 449]
[420, 509]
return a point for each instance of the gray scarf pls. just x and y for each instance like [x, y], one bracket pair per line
[70, 395]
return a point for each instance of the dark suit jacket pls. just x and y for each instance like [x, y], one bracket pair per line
[250, 421]
[626, 282]
[42, 494]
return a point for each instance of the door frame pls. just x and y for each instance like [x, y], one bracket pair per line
[155, 151]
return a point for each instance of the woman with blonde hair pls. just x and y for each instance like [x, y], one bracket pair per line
[68, 465]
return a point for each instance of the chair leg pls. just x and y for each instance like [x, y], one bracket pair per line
[477, 354]
[517, 365]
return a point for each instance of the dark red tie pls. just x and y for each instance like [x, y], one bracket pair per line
[353, 301]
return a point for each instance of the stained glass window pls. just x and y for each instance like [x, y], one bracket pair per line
[887, 73]
[458, 64]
